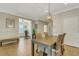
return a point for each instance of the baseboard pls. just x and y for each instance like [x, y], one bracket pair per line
[4, 43]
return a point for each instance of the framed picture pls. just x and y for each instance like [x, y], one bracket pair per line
[10, 23]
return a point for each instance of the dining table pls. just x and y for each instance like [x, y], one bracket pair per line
[47, 42]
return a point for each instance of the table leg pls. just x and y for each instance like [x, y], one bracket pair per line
[0, 43]
[50, 51]
[32, 48]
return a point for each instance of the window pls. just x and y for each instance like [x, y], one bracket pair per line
[45, 28]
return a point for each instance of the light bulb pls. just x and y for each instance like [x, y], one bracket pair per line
[49, 17]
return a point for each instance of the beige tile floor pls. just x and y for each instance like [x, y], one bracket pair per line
[23, 48]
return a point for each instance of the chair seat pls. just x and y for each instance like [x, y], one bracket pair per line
[53, 50]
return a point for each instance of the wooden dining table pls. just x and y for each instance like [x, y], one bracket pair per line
[47, 42]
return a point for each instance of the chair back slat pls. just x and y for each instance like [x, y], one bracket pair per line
[59, 43]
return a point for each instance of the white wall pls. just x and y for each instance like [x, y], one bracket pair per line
[8, 32]
[40, 26]
[50, 28]
[71, 27]
[57, 25]
[69, 24]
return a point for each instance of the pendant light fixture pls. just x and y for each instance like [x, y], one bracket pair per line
[49, 17]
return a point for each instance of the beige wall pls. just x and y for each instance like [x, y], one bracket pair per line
[8, 32]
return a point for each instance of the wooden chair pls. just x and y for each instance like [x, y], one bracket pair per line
[46, 34]
[58, 46]
[62, 42]
[38, 36]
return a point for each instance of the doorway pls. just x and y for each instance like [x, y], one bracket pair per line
[25, 28]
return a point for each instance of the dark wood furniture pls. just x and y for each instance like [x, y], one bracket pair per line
[59, 45]
[46, 42]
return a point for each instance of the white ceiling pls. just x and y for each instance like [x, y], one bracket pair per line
[35, 10]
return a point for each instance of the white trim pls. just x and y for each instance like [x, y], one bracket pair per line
[17, 15]
[29, 18]
[3, 43]
[66, 10]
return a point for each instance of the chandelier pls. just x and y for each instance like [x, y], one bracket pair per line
[49, 17]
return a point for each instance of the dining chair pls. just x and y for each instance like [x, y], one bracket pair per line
[38, 36]
[62, 42]
[58, 47]
[46, 34]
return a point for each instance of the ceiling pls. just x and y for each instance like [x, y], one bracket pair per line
[36, 10]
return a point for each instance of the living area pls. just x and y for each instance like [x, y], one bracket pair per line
[26, 29]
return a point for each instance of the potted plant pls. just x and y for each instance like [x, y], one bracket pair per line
[33, 33]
